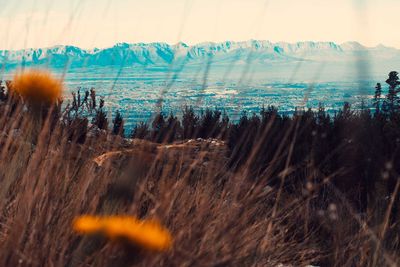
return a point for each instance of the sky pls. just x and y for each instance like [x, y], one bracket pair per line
[102, 23]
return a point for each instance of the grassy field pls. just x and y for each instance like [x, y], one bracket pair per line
[219, 213]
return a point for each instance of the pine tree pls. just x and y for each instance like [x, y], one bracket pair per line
[392, 97]
[93, 103]
[224, 126]
[172, 128]
[158, 127]
[209, 123]
[377, 97]
[190, 123]
[118, 124]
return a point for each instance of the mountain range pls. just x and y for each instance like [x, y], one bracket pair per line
[163, 54]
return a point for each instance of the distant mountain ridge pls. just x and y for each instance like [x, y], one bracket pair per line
[162, 54]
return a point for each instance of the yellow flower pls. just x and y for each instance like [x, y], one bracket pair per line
[148, 234]
[37, 86]
[87, 225]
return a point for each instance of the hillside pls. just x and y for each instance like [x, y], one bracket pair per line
[267, 190]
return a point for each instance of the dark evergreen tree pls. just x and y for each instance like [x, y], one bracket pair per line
[377, 97]
[392, 99]
[172, 129]
[209, 124]
[190, 123]
[118, 124]
[224, 127]
[93, 103]
[393, 80]
[158, 128]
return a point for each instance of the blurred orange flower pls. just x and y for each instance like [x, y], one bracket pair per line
[37, 86]
[147, 234]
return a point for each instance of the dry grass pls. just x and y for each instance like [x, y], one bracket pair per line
[217, 217]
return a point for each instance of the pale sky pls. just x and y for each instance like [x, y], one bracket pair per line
[102, 23]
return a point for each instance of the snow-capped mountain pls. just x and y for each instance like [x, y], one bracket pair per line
[161, 54]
